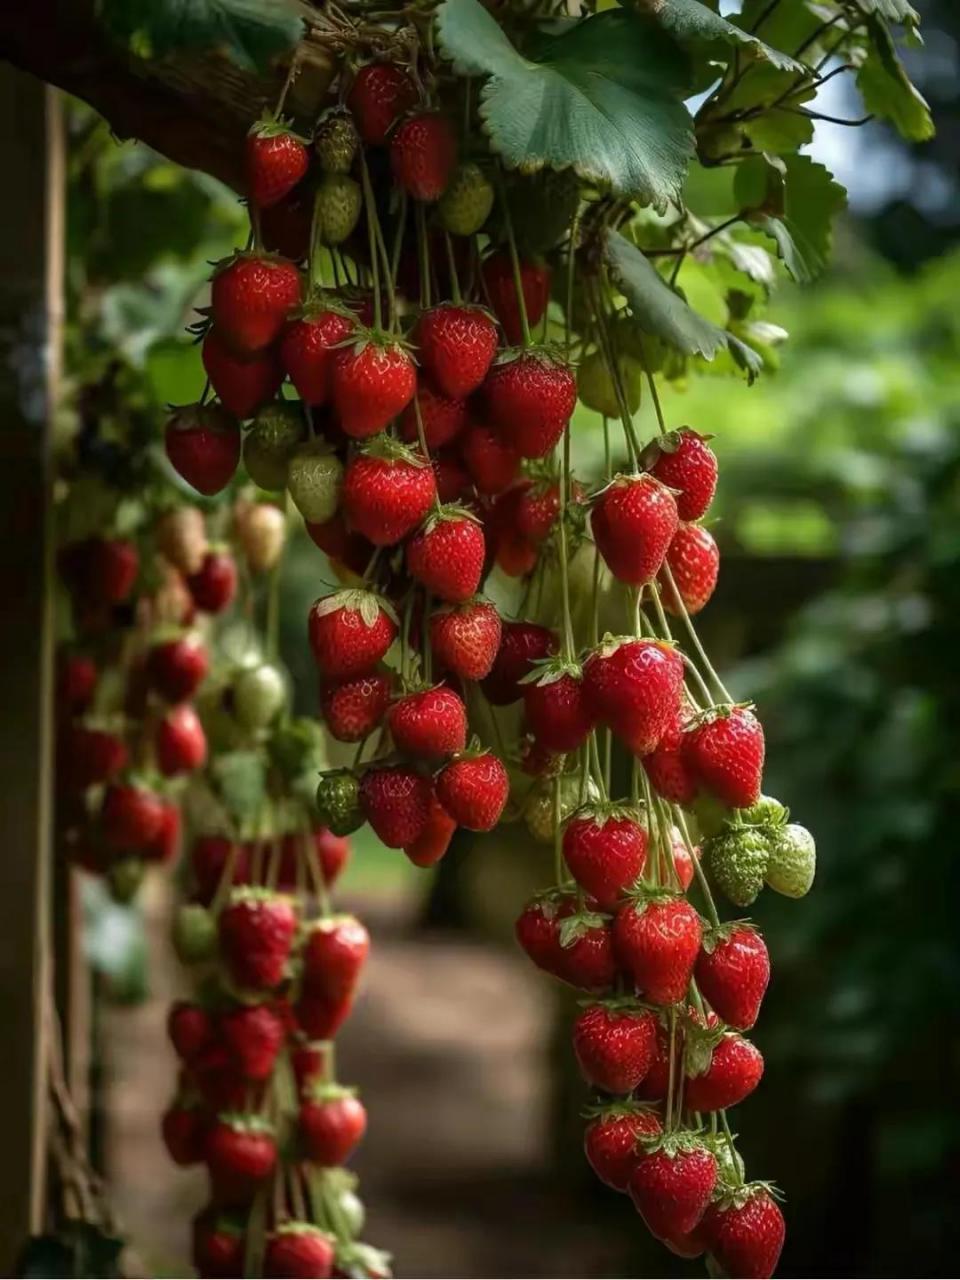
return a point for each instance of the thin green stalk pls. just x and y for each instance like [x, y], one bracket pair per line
[691, 632]
[514, 260]
[452, 268]
[668, 1116]
[613, 368]
[681, 823]
[557, 833]
[371, 239]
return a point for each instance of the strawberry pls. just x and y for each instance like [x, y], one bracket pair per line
[285, 226]
[734, 1071]
[538, 509]
[338, 802]
[309, 1061]
[253, 1034]
[614, 1045]
[453, 479]
[574, 946]
[350, 632]
[256, 930]
[441, 417]
[258, 696]
[336, 541]
[492, 462]
[434, 840]
[465, 640]
[396, 802]
[296, 1250]
[76, 683]
[521, 645]
[683, 858]
[203, 445]
[218, 1245]
[209, 857]
[241, 385]
[724, 750]
[332, 1122]
[320, 1017]
[686, 463]
[261, 530]
[314, 481]
[308, 350]
[634, 687]
[275, 160]
[131, 818]
[634, 519]
[656, 1085]
[335, 950]
[100, 571]
[536, 761]
[657, 941]
[732, 972]
[498, 283]
[180, 743]
[555, 706]
[333, 853]
[429, 724]
[250, 298]
[423, 154]
[605, 849]
[177, 668]
[184, 1132]
[447, 552]
[381, 91]
[190, 1030]
[387, 491]
[611, 1140]
[530, 395]
[792, 862]
[241, 1152]
[214, 584]
[165, 846]
[275, 435]
[666, 765]
[373, 380]
[336, 211]
[456, 345]
[672, 1183]
[181, 537]
[336, 141]
[693, 561]
[597, 389]
[87, 757]
[467, 202]
[474, 789]
[744, 1231]
[352, 709]
[217, 1080]
[193, 933]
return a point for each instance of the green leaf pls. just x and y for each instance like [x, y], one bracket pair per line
[605, 98]
[794, 201]
[892, 10]
[250, 32]
[788, 26]
[241, 779]
[658, 310]
[886, 89]
[691, 21]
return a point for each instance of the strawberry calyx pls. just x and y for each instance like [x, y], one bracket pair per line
[328, 1091]
[251, 255]
[609, 644]
[297, 1228]
[699, 1043]
[599, 812]
[247, 1122]
[390, 449]
[614, 1109]
[675, 1143]
[258, 894]
[575, 926]
[767, 813]
[719, 711]
[365, 336]
[273, 126]
[547, 354]
[624, 478]
[617, 1004]
[734, 1196]
[368, 604]
[713, 935]
[449, 512]
[549, 670]
[359, 1259]
[669, 442]
[320, 304]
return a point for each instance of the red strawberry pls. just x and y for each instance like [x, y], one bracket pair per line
[530, 395]
[744, 1231]
[203, 445]
[465, 640]
[333, 853]
[218, 1245]
[498, 281]
[86, 757]
[453, 479]
[538, 508]
[735, 1070]
[574, 946]
[396, 803]
[180, 743]
[332, 1122]
[724, 750]
[492, 462]
[657, 941]
[76, 683]
[634, 687]
[253, 1034]
[666, 765]
[605, 849]
[320, 1017]
[521, 645]
[214, 584]
[131, 818]
[442, 418]
[285, 226]
[446, 554]
[373, 380]
[474, 791]
[379, 94]
[308, 350]
[611, 1141]
[456, 345]
[242, 385]
[672, 1184]
[429, 724]
[165, 846]
[688, 464]
[350, 632]
[184, 1131]
[209, 856]
[352, 709]
[614, 1046]
[275, 159]
[387, 491]
[298, 1251]
[683, 858]
[694, 562]
[555, 706]
[657, 1083]
[423, 154]
[219, 1083]
[732, 972]
[177, 668]
[633, 521]
[250, 299]
[309, 1061]
[256, 930]
[102, 571]
[241, 1152]
[434, 840]
[537, 761]
[334, 952]
[340, 543]
[190, 1030]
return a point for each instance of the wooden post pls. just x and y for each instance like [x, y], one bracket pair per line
[31, 258]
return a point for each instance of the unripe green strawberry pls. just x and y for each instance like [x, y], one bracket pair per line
[540, 812]
[767, 812]
[338, 802]
[270, 443]
[737, 859]
[542, 206]
[259, 694]
[336, 141]
[595, 386]
[338, 208]
[465, 205]
[125, 878]
[314, 479]
[793, 861]
[194, 934]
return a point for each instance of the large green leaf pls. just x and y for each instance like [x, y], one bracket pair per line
[250, 32]
[659, 310]
[692, 22]
[893, 10]
[886, 88]
[794, 201]
[605, 98]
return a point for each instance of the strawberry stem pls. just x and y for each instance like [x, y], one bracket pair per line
[691, 631]
[613, 368]
[452, 267]
[681, 822]
[371, 239]
[514, 259]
